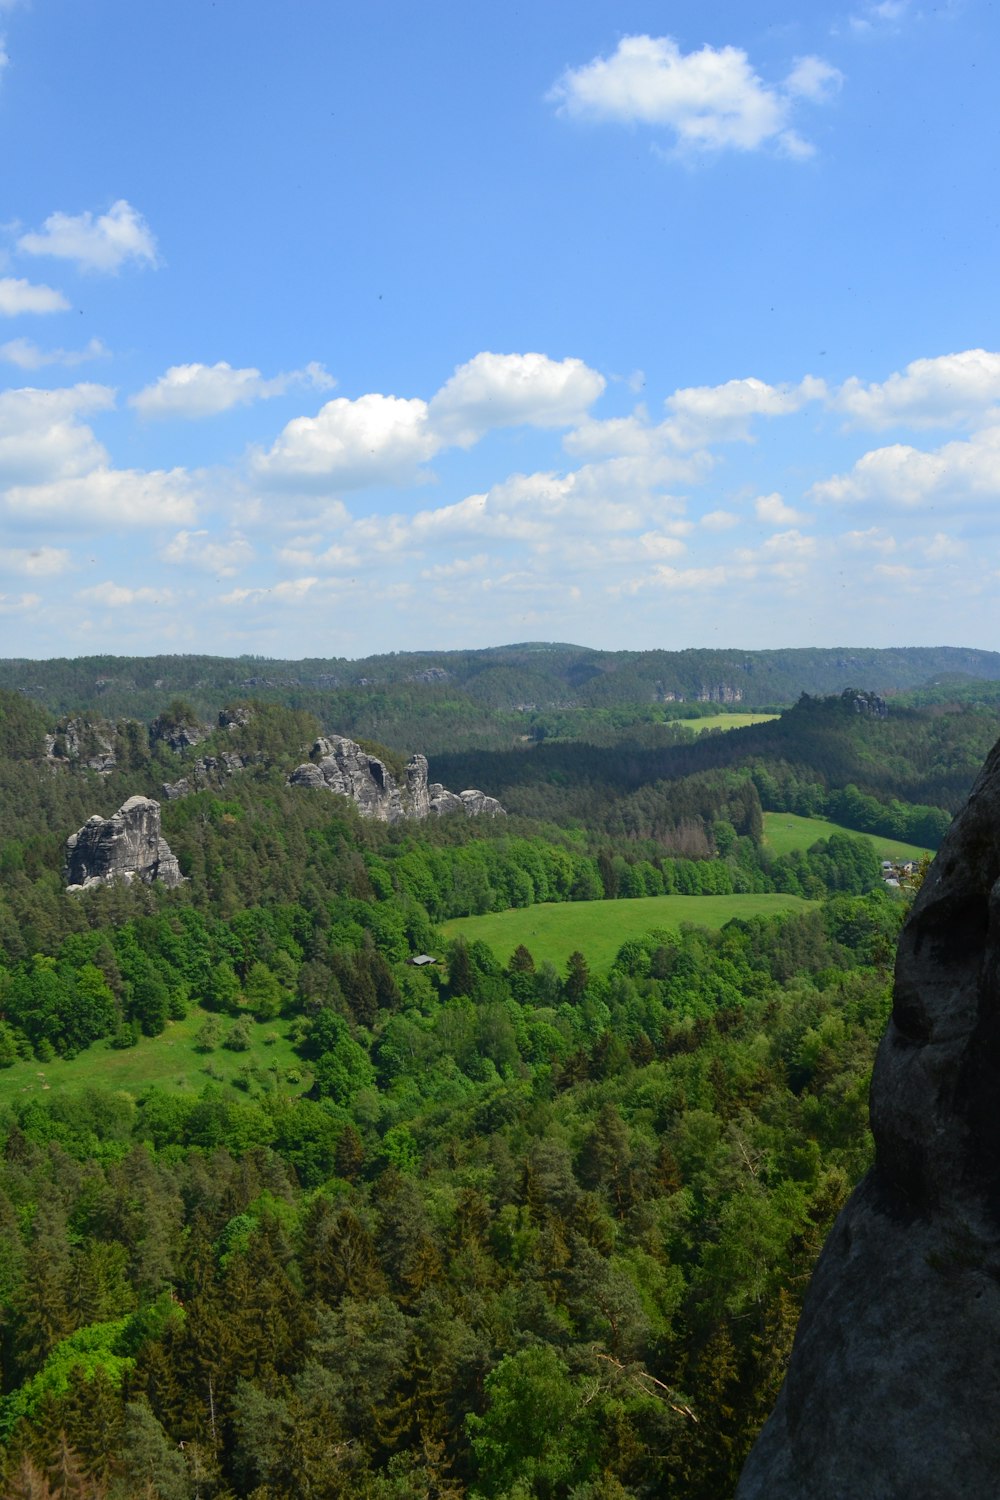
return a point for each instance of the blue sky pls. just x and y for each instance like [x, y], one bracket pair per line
[328, 329]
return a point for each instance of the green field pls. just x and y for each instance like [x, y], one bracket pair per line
[726, 721]
[170, 1061]
[787, 831]
[552, 931]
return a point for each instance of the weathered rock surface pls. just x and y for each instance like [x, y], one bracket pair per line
[893, 1389]
[179, 736]
[127, 846]
[85, 742]
[340, 765]
[208, 771]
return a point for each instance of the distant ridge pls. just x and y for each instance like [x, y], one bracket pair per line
[536, 674]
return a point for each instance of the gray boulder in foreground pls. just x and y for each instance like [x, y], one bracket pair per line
[127, 846]
[893, 1389]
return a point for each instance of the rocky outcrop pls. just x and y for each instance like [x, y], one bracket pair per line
[719, 692]
[127, 846]
[893, 1387]
[340, 765]
[872, 705]
[208, 771]
[178, 734]
[89, 743]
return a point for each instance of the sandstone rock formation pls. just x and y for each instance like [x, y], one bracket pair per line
[340, 765]
[893, 1389]
[127, 846]
[85, 742]
[207, 771]
[179, 736]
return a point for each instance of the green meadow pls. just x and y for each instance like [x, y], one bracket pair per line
[171, 1061]
[551, 931]
[726, 721]
[786, 832]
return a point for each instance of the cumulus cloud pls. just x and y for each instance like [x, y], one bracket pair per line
[704, 414]
[772, 510]
[34, 562]
[19, 296]
[375, 439]
[508, 390]
[196, 549]
[11, 604]
[719, 520]
[120, 596]
[102, 242]
[290, 591]
[948, 390]
[879, 14]
[711, 100]
[107, 497]
[812, 78]
[28, 356]
[198, 390]
[874, 539]
[906, 478]
[41, 437]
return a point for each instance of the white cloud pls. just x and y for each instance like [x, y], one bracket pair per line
[108, 497]
[192, 549]
[789, 544]
[507, 390]
[812, 78]
[687, 580]
[773, 511]
[711, 99]
[28, 356]
[941, 547]
[19, 296]
[723, 413]
[719, 520]
[948, 390]
[461, 567]
[40, 438]
[119, 596]
[879, 14]
[198, 390]
[375, 439]
[14, 603]
[874, 539]
[102, 243]
[336, 558]
[902, 477]
[34, 562]
[288, 592]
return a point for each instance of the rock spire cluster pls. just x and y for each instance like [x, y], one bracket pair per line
[340, 765]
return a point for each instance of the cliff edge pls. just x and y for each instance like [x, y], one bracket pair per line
[893, 1387]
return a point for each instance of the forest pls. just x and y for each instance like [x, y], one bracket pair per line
[464, 1229]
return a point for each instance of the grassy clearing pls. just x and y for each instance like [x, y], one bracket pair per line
[787, 831]
[552, 931]
[727, 721]
[171, 1061]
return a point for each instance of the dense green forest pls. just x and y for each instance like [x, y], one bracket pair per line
[484, 1230]
[464, 699]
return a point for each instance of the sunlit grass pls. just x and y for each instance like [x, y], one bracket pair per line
[552, 931]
